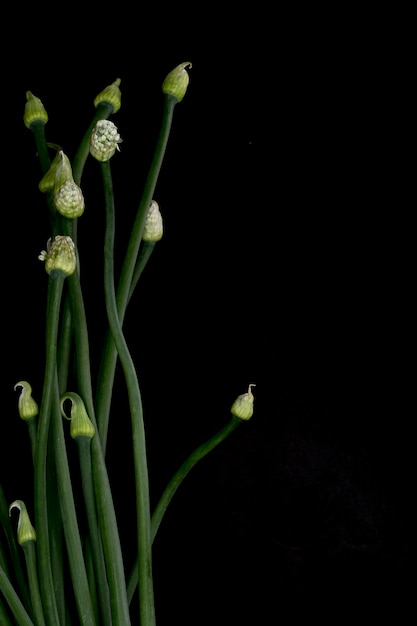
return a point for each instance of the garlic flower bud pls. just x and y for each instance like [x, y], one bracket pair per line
[104, 140]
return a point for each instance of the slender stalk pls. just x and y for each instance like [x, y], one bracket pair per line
[14, 550]
[32, 570]
[146, 594]
[104, 499]
[69, 518]
[84, 453]
[175, 482]
[14, 601]
[55, 287]
[108, 365]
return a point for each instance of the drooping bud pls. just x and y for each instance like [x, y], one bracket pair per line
[59, 255]
[176, 82]
[27, 406]
[104, 140]
[35, 112]
[153, 229]
[81, 425]
[110, 95]
[242, 407]
[25, 530]
[47, 182]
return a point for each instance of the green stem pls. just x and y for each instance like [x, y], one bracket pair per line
[84, 454]
[104, 500]
[69, 518]
[32, 570]
[108, 365]
[14, 601]
[14, 549]
[146, 595]
[55, 287]
[175, 482]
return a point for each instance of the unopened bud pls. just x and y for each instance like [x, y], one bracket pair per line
[176, 82]
[81, 425]
[110, 95]
[153, 229]
[34, 111]
[27, 406]
[25, 530]
[242, 407]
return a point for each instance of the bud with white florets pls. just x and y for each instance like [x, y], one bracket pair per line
[104, 140]
[59, 255]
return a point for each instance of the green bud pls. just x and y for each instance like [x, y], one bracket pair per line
[176, 82]
[81, 425]
[153, 229]
[242, 407]
[47, 182]
[25, 530]
[69, 200]
[110, 95]
[34, 111]
[59, 255]
[63, 170]
[104, 140]
[27, 406]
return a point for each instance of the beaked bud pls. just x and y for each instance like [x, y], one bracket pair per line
[242, 407]
[34, 111]
[25, 530]
[27, 406]
[110, 95]
[81, 425]
[176, 82]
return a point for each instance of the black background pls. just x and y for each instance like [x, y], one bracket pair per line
[284, 263]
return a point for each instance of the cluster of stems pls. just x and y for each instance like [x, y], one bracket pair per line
[37, 561]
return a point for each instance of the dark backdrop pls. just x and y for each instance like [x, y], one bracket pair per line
[282, 264]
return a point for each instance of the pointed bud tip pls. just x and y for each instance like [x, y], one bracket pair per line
[242, 407]
[176, 82]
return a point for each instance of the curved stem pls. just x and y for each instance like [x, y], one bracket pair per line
[175, 482]
[146, 596]
[108, 365]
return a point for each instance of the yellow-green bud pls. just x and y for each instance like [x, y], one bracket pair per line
[69, 200]
[59, 255]
[25, 530]
[81, 425]
[27, 406]
[110, 95]
[47, 182]
[34, 111]
[176, 82]
[242, 407]
[153, 229]
[104, 140]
